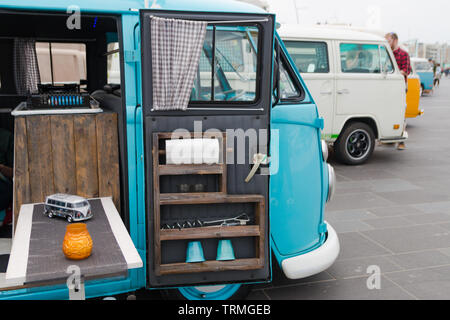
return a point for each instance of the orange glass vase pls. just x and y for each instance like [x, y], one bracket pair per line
[77, 244]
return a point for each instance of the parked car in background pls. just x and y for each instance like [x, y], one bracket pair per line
[425, 71]
[356, 84]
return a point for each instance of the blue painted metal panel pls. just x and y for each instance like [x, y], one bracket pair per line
[300, 188]
[296, 189]
[426, 78]
[124, 6]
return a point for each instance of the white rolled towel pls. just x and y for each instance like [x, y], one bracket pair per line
[192, 151]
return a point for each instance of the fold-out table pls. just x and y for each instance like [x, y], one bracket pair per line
[37, 258]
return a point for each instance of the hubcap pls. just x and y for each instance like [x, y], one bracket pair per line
[358, 144]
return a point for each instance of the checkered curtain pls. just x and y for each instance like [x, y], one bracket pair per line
[26, 69]
[176, 49]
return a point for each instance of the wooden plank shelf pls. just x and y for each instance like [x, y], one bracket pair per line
[213, 265]
[182, 169]
[207, 198]
[209, 232]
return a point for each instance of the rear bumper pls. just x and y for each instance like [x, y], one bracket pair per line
[413, 115]
[83, 218]
[404, 137]
[315, 261]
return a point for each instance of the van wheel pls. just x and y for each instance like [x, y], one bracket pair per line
[69, 219]
[355, 143]
[220, 292]
[50, 214]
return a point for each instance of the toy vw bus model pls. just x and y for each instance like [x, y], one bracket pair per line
[70, 207]
[355, 81]
[244, 88]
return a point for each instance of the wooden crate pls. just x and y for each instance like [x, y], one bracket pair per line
[74, 154]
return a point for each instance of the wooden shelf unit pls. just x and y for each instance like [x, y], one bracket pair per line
[159, 170]
[204, 198]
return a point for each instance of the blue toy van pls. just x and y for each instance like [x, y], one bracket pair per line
[425, 71]
[203, 231]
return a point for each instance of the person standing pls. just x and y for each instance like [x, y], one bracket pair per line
[431, 61]
[404, 64]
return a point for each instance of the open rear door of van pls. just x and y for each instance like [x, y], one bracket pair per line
[206, 225]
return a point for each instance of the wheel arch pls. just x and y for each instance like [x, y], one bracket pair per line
[364, 119]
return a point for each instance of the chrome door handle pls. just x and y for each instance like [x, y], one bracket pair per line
[326, 92]
[343, 91]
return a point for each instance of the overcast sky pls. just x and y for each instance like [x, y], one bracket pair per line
[426, 20]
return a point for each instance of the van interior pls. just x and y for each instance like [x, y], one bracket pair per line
[81, 57]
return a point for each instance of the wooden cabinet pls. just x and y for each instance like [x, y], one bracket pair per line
[218, 196]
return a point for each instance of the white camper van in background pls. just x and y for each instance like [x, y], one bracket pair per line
[356, 84]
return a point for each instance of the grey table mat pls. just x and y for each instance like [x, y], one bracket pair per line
[46, 260]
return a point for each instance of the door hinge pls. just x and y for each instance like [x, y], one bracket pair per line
[323, 228]
[319, 123]
[131, 56]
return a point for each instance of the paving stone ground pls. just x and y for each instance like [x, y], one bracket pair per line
[392, 212]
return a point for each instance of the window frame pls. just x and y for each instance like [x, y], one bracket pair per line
[390, 60]
[264, 21]
[51, 58]
[327, 54]
[223, 104]
[293, 76]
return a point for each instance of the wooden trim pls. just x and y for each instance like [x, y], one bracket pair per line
[207, 198]
[121, 234]
[16, 272]
[210, 232]
[22, 188]
[182, 169]
[213, 265]
[156, 203]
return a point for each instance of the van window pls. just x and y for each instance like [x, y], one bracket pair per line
[235, 59]
[360, 58]
[80, 204]
[309, 57]
[386, 62]
[423, 66]
[113, 62]
[61, 63]
[287, 86]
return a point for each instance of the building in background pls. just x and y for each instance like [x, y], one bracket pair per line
[439, 52]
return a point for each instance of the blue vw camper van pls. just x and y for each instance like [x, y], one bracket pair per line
[264, 192]
[425, 71]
